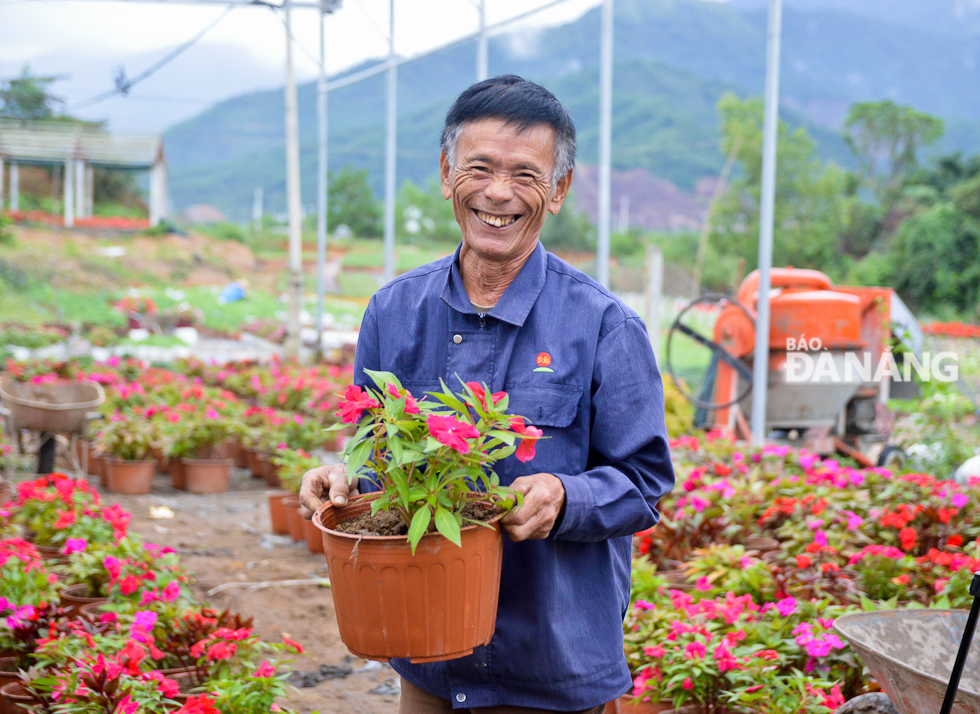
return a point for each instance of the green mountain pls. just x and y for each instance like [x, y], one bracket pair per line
[673, 60]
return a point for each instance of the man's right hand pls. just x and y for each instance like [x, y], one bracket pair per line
[325, 482]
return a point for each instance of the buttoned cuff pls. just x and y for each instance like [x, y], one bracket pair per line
[578, 504]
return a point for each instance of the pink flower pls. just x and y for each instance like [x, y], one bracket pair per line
[127, 706]
[452, 432]
[482, 395]
[960, 500]
[703, 584]
[643, 605]
[528, 435]
[657, 651]
[786, 606]
[211, 414]
[411, 406]
[74, 545]
[695, 650]
[687, 683]
[265, 670]
[353, 403]
[171, 592]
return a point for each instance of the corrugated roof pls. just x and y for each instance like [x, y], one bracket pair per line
[53, 143]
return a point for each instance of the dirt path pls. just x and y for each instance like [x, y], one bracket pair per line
[226, 538]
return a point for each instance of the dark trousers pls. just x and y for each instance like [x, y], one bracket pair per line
[418, 701]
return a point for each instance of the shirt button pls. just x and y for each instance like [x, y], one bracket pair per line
[457, 339]
[460, 697]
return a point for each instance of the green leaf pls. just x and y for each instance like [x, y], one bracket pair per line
[357, 458]
[447, 525]
[432, 444]
[507, 437]
[381, 378]
[420, 524]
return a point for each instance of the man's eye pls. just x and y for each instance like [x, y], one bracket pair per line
[481, 169]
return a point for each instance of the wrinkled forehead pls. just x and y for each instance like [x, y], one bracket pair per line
[507, 144]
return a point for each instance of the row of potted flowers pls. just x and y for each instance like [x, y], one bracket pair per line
[736, 591]
[93, 620]
[162, 419]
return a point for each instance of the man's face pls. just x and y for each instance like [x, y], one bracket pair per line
[501, 187]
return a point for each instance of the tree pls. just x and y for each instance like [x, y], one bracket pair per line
[352, 203]
[425, 215]
[811, 210]
[886, 137]
[26, 98]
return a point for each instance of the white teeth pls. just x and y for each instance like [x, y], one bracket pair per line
[495, 220]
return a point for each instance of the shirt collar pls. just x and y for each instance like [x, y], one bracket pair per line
[517, 300]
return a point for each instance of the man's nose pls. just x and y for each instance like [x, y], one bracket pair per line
[499, 189]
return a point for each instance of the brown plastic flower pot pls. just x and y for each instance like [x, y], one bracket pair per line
[314, 541]
[270, 472]
[8, 672]
[14, 700]
[297, 531]
[437, 604]
[254, 465]
[176, 469]
[207, 475]
[240, 456]
[76, 596]
[277, 512]
[626, 704]
[130, 477]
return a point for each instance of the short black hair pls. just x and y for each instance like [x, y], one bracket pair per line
[515, 101]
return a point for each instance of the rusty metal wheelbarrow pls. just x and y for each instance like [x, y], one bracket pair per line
[910, 653]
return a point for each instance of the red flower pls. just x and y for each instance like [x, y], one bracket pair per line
[65, 519]
[411, 406]
[803, 561]
[291, 643]
[199, 705]
[908, 536]
[955, 540]
[529, 436]
[353, 404]
[220, 650]
[482, 395]
[452, 432]
[265, 670]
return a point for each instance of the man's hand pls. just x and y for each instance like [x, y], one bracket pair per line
[325, 482]
[544, 497]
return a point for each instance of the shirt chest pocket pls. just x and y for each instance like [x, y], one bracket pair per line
[555, 409]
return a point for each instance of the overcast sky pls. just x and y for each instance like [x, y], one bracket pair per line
[87, 41]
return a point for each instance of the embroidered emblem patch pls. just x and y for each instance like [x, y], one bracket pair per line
[544, 361]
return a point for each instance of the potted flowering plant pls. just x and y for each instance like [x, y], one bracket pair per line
[429, 457]
[128, 440]
[197, 439]
[290, 465]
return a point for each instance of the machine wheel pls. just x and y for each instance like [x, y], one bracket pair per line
[719, 353]
[892, 457]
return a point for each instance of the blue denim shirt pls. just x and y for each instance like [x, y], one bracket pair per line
[559, 637]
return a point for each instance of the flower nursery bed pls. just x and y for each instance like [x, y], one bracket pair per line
[225, 539]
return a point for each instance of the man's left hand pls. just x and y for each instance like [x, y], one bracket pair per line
[544, 497]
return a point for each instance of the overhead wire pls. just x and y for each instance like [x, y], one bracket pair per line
[123, 85]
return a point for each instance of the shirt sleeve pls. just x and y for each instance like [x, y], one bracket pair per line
[629, 458]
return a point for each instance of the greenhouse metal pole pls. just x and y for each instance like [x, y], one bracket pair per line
[322, 187]
[760, 365]
[390, 145]
[605, 141]
[481, 44]
[293, 201]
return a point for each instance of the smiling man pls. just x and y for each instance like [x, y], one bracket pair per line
[576, 363]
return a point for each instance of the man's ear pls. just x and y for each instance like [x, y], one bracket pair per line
[444, 172]
[561, 193]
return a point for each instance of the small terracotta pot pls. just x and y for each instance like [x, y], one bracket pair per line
[207, 475]
[626, 704]
[314, 541]
[90, 464]
[294, 520]
[96, 466]
[277, 512]
[435, 605]
[49, 552]
[254, 465]
[75, 596]
[92, 611]
[8, 671]
[176, 469]
[240, 456]
[14, 700]
[130, 477]
[270, 472]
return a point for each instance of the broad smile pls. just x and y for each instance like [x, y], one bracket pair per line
[496, 221]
